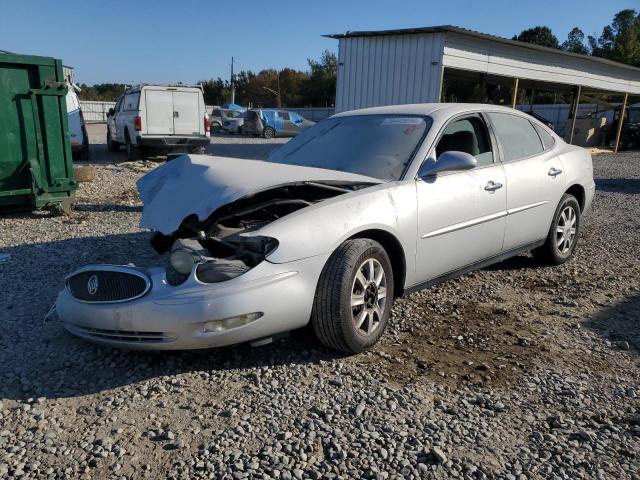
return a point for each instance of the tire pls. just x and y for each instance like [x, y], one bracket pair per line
[241, 130]
[111, 145]
[132, 151]
[343, 279]
[560, 246]
[269, 132]
[198, 150]
[216, 128]
[84, 154]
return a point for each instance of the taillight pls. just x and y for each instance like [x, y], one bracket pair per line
[137, 123]
[207, 124]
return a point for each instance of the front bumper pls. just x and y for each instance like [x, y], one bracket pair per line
[172, 318]
[172, 141]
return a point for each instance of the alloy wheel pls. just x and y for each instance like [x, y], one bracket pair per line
[368, 296]
[566, 229]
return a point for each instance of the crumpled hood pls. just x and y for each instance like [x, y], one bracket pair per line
[200, 184]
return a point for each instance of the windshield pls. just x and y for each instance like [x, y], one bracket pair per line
[233, 114]
[379, 146]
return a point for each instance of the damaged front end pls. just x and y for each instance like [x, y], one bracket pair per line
[218, 250]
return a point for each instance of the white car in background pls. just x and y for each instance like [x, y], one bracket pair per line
[167, 118]
[75, 121]
[355, 211]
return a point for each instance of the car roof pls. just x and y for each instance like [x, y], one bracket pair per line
[431, 109]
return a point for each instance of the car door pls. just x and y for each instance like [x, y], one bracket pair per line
[534, 175]
[287, 125]
[296, 122]
[124, 118]
[461, 214]
[186, 113]
[111, 121]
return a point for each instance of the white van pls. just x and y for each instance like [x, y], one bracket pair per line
[75, 121]
[161, 117]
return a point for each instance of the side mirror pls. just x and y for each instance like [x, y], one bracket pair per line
[447, 161]
[111, 112]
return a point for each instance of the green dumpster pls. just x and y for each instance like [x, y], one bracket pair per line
[36, 168]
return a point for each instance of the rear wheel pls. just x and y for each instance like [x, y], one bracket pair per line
[563, 235]
[111, 145]
[133, 153]
[353, 300]
[269, 132]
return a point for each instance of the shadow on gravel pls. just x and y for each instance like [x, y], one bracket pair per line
[619, 324]
[619, 185]
[106, 207]
[43, 360]
[520, 262]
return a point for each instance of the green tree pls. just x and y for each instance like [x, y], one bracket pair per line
[619, 41]
[320, 88]
[575, 42]
[542, 36]
[104, 92]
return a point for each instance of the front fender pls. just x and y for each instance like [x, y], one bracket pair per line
[321, 228]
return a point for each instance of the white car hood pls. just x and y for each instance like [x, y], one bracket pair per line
[200, 184]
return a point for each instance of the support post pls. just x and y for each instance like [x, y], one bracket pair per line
[575, 113]
[514, 97]
[620, 122]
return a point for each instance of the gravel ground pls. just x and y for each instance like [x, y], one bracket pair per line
[515, 371]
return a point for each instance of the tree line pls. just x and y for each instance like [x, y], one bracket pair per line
[267, 88]
[316, 87]
[619, 41]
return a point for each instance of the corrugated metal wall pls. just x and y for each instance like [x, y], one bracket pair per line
[389, 70]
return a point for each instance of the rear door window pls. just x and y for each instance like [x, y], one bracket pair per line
[516, 135]
[284, 115]
[467, 135]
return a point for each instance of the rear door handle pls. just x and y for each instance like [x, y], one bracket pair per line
[492, 186]
[554, 172]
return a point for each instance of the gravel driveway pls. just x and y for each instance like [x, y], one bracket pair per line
[515, 371]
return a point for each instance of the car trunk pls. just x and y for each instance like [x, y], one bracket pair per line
[172, 112]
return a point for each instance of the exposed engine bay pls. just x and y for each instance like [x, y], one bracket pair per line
[216, 247]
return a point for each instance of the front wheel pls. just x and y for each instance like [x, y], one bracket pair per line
[133, 153]
[354, 296]
[269, 132]
[563, 235]
[111, 145]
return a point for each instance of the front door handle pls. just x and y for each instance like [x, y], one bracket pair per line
[554, 172]
[492, 186]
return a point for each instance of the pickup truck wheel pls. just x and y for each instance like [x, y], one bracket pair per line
[111, 145]
[353, 300]
[269, 132]
[563, 235]
[132, 151]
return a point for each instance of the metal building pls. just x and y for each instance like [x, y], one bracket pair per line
[447, 63]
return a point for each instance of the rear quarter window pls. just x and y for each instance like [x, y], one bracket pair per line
[546, 137]
[517, 136]
[131, 101]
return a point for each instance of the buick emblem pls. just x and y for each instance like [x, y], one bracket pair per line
[92, 285]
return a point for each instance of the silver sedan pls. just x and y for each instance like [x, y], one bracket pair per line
[356, 211]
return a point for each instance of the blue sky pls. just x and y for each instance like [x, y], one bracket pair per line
[171, 41]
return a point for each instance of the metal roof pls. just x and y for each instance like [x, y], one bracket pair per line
[473, 33]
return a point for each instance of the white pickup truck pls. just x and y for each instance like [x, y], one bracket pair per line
[161, 117]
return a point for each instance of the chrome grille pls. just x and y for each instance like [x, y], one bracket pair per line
[107, 284]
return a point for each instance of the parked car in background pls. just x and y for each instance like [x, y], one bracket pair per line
[270, 123]
[364, 207]
[166, 118]
[225, 119]
[75, 121]
[630, 133]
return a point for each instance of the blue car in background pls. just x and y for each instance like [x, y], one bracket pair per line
[270, 123]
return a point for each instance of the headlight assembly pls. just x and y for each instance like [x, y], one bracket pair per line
[182, 261]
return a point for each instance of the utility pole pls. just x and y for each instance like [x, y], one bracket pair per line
[233, 84]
